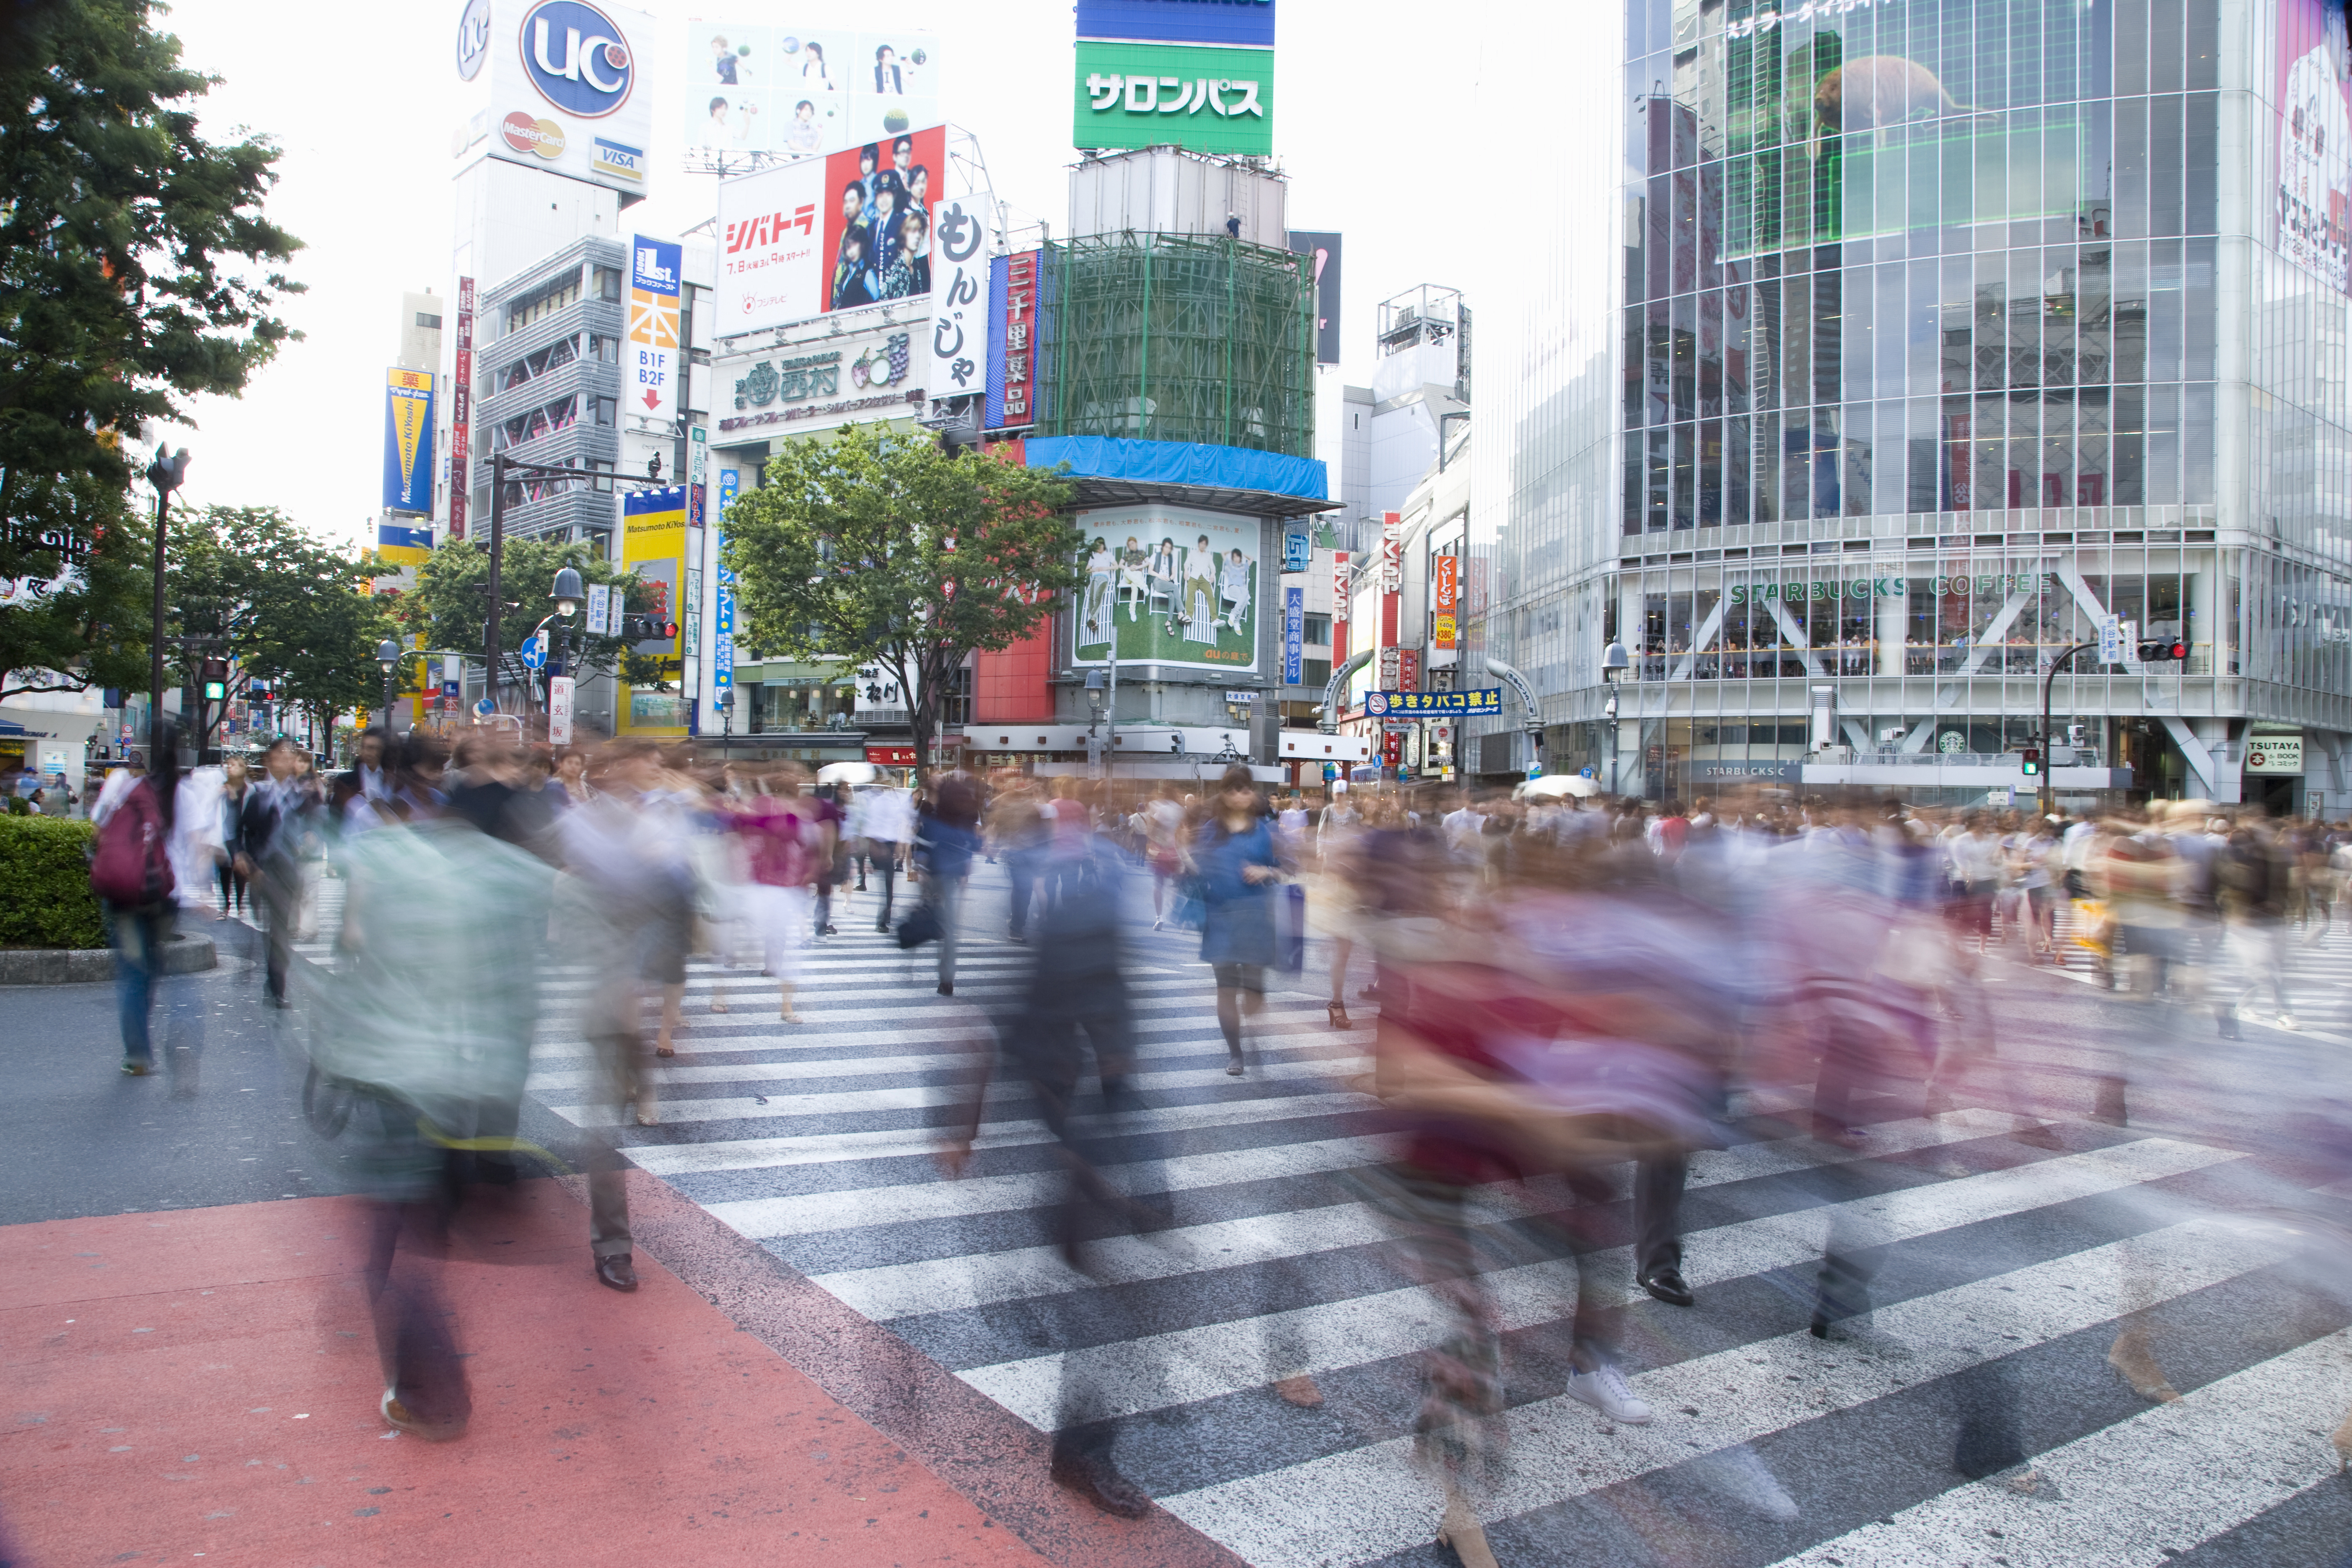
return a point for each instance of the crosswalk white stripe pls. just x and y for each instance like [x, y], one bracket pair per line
[822, 1148]
[946, 1284]
[809, 1212]
[1189, 1364]
[753, 1005]
[883, 1066]
[743, 1108]
[553, 1047]
[2144, 1490]
[1377, 1499]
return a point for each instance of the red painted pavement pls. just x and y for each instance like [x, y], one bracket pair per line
[202, 1385]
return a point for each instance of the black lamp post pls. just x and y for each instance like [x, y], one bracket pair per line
[388, 654]
[1613, 665]
[164, 473]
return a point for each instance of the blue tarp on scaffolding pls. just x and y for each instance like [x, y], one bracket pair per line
[1181, 463]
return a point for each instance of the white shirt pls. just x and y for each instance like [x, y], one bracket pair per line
[890, 816]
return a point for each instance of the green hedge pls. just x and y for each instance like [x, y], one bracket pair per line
[45, 897]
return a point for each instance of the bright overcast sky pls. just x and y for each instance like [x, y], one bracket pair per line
[1373, 124]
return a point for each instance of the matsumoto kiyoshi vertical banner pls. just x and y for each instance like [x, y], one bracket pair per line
[1170, 587]
[960, 327]
[408, 442]
[651, 372]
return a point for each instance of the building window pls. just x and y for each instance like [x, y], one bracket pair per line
[430, 323]
[1318, 630]
[603, 348]
[605, 282]
[1315, 672]
[606, 409]
[548, 300]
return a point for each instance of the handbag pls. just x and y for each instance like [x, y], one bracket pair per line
[921, 925]
[1290, 928]
[1191, 912]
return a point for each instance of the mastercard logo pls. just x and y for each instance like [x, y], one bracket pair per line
[525, 134]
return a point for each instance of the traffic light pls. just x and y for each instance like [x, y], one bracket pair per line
[215, 675]
[2170, 651]
[646, 628]
[2032, 760]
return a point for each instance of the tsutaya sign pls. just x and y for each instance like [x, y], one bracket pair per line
[1989, 585]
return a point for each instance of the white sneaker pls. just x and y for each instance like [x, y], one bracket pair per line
[1605, 1389]
[2286, 1020]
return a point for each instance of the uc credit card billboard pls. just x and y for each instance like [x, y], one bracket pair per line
[408, 441]
[557, 85]
[830, 233]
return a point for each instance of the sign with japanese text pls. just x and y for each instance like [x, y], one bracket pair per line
[830, 233]
[956, 343]
[461, 412]
[1340, 587]
[1210, 98]
[408, 441]
[1415, 704]
[559, 710]
[1391, 552]
[1293, 633]
[2274, 753]
[1445, 574]
[650, 374]
[1408, 669]
[818, 385]
[1011, 341]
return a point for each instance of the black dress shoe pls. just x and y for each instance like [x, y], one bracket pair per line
[1667, 1286]
[1096, 1478]
[947, 987]
[617, 1272]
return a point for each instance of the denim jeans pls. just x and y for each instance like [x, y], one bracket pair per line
[139, 937]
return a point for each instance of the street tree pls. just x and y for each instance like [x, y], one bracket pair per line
[876, 546]
[128, 252]
[451, 602]
[283, 605]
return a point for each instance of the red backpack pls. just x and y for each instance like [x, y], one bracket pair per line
[131, 867]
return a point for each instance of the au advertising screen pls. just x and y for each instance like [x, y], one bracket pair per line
[1170, 587]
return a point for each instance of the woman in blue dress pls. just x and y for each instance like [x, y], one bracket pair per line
[1238, 868]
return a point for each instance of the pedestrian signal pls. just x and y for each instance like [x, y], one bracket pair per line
[2033, 758]
[2172, 651]
[215, 679]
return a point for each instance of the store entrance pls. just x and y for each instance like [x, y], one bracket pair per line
[2275, 795]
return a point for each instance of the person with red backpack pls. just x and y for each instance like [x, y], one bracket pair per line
[130, 872]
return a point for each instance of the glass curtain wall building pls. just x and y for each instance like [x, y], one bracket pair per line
[1921, 336]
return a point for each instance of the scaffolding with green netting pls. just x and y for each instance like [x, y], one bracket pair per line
[1163, 337]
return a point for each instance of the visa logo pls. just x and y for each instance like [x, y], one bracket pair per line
[619, 160]
[750, 234]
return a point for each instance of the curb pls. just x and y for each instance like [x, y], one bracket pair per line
[184, 954]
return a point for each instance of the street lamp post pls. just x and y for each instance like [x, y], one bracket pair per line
[164, 473]
[1613, 665]
[2046, 800]
[387, 654]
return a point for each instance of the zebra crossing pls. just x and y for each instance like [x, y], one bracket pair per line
[1973, 1419]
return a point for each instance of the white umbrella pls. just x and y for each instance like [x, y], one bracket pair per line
[848, 773]
[1552, 786]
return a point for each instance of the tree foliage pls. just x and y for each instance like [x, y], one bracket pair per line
[876, 546]
[90, 628]
[121, 231]
[451, 602]
[288, 608]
